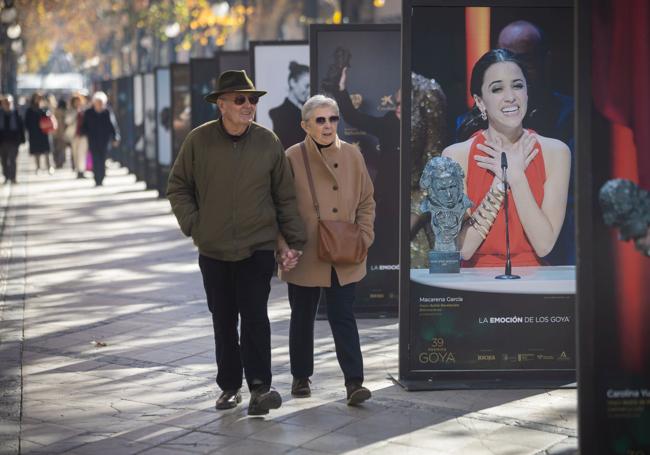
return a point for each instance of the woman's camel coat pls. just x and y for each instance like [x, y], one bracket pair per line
[344, 192]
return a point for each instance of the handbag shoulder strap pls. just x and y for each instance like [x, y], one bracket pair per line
[312, 190]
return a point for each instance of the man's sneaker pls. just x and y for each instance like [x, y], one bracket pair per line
[357, 394]
[263, 399]
[228, 399]
[300, 388]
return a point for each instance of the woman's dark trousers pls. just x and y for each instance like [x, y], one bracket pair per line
[233, 289]
[304, 304]
[99, 164]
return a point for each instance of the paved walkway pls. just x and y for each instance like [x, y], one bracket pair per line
[106, 348]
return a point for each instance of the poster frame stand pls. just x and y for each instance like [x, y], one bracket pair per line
[411, 379]
[388, 310]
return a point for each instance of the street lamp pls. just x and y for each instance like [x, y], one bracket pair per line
[14, 31]
[171, 32]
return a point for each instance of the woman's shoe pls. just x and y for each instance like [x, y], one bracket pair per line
[228, 399]
[300, 388]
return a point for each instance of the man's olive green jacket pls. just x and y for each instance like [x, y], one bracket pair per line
[233, 196]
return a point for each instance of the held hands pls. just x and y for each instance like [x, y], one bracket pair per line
[287, 258]
[519, 156]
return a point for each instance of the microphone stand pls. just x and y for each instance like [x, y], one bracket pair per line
[508, 275]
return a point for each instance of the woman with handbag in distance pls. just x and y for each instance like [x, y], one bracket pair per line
[335, 201]
[39, 123]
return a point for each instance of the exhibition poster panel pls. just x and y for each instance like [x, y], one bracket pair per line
[124, 115]
[180, 107]
[163, 116]
[614, 388]
[150, 117]
[203, 75]
[359, 66]
[281, 69]
[470, 103]
[235, 60]
[138, 114]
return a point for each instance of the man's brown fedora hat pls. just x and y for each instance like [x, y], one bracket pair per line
[233, 81]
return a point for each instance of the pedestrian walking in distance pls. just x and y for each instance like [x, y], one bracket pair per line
[101, 129]
[12, 134]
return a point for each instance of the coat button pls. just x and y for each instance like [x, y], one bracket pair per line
[335, 187]
[335, 210]
[336, 164]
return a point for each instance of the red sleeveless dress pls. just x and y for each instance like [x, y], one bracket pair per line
[492, 252]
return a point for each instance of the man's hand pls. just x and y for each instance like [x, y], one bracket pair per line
[287, 258]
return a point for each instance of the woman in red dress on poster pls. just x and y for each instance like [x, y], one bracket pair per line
[538, 171]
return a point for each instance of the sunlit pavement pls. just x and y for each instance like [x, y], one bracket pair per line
[106, 348]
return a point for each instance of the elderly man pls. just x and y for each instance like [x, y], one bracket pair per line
[100, 127]
[231, 189]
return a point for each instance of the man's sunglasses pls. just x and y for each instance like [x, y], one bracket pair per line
[241, 99]
[322, 120]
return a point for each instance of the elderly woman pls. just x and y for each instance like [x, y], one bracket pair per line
[344, 192]
[538, 171]
[78, 142]
[100, 126]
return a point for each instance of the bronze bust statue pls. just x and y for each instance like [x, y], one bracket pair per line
[627, 207]
[442, 182]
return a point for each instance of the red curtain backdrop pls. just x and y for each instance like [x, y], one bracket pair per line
[621, 72]
[632, 269]
[477, 40]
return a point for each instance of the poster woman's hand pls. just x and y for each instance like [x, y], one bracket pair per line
[519, 156]
[344, 76]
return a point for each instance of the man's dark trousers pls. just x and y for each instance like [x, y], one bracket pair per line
[304, 304]
[240, 288]
[9, 152]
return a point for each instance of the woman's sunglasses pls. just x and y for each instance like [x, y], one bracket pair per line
[241, 99]
[322, 120]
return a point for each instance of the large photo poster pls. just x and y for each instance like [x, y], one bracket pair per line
[163, 127]
[150, 148]
[489, 238]
[359, 66]
[138, 160]
[614, 229]
[234, 60]
[282, 69]
[180, 105]
[124, 116]
[203, 75]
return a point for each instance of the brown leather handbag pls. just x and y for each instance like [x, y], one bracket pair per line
[339, 242]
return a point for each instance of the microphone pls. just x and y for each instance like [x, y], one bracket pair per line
[504, 177]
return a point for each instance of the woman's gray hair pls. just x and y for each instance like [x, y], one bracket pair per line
[101, 96]
[315, 102]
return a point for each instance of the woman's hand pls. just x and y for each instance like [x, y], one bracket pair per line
[287, 258]
[519, 156]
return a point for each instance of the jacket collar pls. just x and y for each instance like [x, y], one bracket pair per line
[222, 130]
[333, 147]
